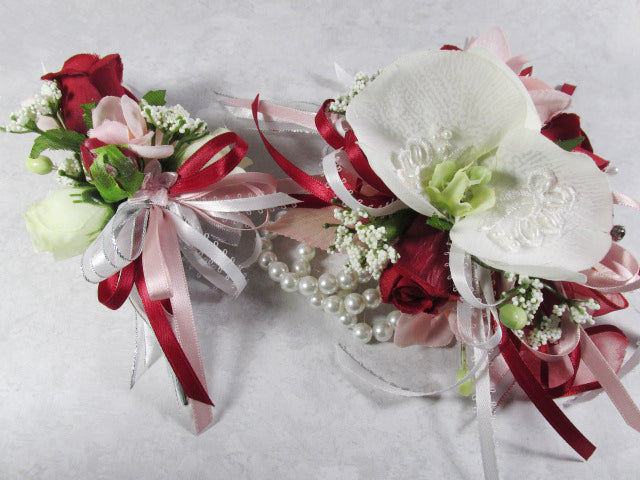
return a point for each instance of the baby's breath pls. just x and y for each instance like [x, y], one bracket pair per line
[360, 81]
[364, 244]
[44, 103]
[173, 120]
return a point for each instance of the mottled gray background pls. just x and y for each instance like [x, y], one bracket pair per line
[286, 411]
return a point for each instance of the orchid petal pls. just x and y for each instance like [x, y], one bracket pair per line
[472, 94]
[575, 232]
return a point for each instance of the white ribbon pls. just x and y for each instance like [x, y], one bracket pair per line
[332, 174]
[121, 240]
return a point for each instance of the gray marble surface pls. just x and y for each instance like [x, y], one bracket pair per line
[285, 409]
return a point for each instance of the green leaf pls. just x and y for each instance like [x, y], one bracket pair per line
[122, 180]
[87, 108]
[155, 97]
[570, 144]
[439, 223]
[397, 223]
[57, 139]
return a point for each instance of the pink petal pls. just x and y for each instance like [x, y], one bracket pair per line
[133, 117]
[531, 83]
[517, 63]
[152, 151]
[46, 123]
[549, 103]
[495, 41]
[424, 329]
[305, 225]
[143, 140]
[110, 132]
[108, 108]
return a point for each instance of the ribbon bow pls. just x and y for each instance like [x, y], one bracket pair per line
[143, 245]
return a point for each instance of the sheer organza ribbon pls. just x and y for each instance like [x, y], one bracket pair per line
[477, 319]
[143, 245]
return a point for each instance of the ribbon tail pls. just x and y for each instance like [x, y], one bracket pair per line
[543, 402]
[484, 416]
[610, 382]
[164, 273]
[146, 350]
[172, 349]
[306, 181]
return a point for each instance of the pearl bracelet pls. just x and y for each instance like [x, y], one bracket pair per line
[332, 293]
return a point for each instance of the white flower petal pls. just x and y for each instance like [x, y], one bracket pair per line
[530, 169]
[473, 95]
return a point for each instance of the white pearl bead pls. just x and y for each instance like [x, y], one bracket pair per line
[302, 268]
[276, 270]
[305, 252]
[267, 245]
[268, 234]
[316, 300]
[362, 332]
[364, 277]
[393, 317]
[347, 279]
[308, 286]
[265, 259]
[348, 320]
[446, 134]
[382, 331]
[327, 283]
[332, 304]
[442, 149]
[354, 303]
[372, 298]
[289, 282]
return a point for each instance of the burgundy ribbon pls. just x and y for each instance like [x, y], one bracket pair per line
[541, 398]
[306, 181]
[357, 157]
[193, 175]
[323, 194]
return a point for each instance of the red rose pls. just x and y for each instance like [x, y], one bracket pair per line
[566, 126]
[419, 281]
[86, 78]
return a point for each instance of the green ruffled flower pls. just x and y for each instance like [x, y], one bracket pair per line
[459, 191]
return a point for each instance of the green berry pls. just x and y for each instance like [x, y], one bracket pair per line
[465, 388]
[40, 165]
[513, 317]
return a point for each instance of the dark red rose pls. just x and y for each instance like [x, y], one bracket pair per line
[419, 281]
[87, 78]
[566, 126]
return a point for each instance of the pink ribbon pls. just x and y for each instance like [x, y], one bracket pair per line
[619, 270]
[273, 112]
[166, 279]
[610, 382]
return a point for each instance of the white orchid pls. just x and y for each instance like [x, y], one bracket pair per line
[456, 134]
